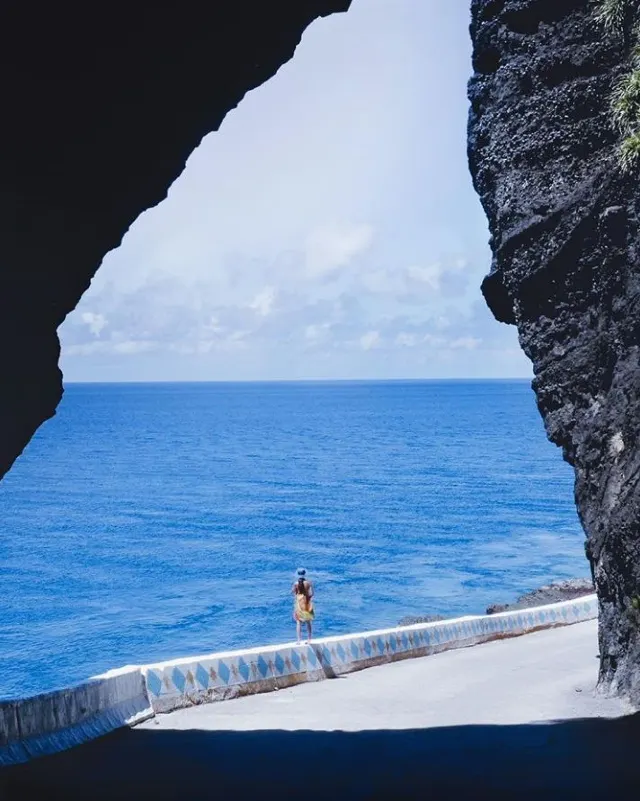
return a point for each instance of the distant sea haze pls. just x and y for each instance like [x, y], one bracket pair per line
[150, 521]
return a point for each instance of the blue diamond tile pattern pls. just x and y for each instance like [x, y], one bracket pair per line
[154, 682]
[202, 677]
[178, 679]
[224, 672]
[243, 669]
[172, 681]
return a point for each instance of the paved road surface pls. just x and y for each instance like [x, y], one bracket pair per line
[543, 676]
[514, 719]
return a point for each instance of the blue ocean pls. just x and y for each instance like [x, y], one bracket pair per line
[151, 521]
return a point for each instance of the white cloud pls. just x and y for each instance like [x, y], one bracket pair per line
[96, 322]
[466, 343]
[238, 336]
[388, 281]
[263, 301]
[131, 346]
[434, 341]
[331, 247]
[118, 346]
[326, 224]
[317, 332]
[370, 340]
[406, 340]
[213, 326]
[85, 349]
[430, 275]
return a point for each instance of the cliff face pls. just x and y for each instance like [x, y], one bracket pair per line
[101, 106]
[565, 271]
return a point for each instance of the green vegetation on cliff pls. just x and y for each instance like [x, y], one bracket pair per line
[615, 15]
[612, 13]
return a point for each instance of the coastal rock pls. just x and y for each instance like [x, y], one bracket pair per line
[548, 594]
[411, 620]
[563, 221]
[102, 104]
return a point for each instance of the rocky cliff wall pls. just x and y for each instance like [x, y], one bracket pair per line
[101, 106]
[564, 234]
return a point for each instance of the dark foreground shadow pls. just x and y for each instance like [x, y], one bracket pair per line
[579, 759]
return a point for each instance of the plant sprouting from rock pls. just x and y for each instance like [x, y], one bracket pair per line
[614, 15]
[626, 116]
[630, 152]
[626, 103]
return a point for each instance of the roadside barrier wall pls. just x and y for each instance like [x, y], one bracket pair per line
[52, 722]
[181, 683]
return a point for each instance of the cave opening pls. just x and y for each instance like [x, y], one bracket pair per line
[245, 383]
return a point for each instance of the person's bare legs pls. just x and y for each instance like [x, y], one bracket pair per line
[298, 631]
[309, 630]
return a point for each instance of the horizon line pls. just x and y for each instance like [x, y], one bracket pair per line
[303, 380]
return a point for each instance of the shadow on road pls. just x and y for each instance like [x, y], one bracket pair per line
[577, 759]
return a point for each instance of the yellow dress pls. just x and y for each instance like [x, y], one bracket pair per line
[303, 610]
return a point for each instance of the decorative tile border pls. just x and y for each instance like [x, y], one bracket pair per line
[45, 724]
[216, 677]
[52, 722]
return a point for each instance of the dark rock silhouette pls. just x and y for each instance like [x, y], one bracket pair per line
[564, 235]
[101, 107]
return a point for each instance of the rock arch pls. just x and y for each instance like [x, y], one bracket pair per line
[102, 104]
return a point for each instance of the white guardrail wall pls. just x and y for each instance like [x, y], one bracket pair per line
[52, 722]
[46, 724]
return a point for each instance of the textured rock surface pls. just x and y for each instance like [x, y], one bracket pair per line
[101, 106]
[412, 620]
[564, 235]
[549, 594]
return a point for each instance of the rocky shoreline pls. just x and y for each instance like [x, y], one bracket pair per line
[548, 594]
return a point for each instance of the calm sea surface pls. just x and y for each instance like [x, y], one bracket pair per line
[147, 522]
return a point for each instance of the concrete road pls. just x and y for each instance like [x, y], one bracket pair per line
[515, 719]
[548, 675]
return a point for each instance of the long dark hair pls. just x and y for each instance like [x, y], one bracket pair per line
[302, 590]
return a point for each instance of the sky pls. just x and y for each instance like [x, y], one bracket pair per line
[328, 230]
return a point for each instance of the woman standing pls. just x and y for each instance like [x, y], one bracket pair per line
[303, 611]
